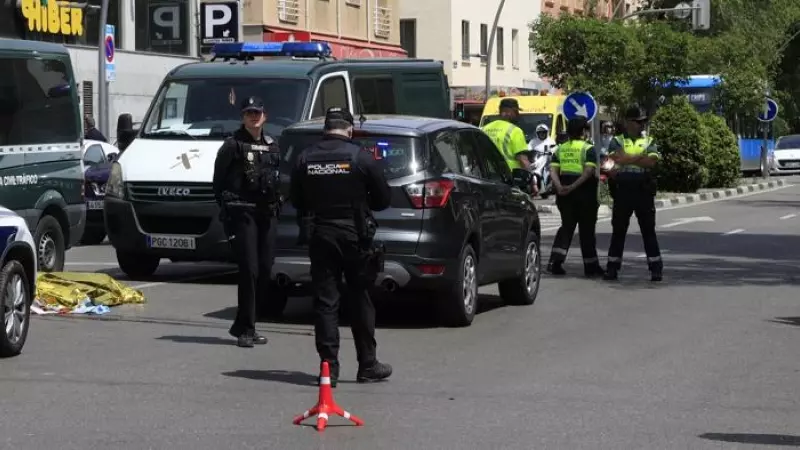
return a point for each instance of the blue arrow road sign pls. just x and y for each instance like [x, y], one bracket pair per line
[770, 111]
[580, 104]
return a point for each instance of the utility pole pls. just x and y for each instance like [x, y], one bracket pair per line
[490, 47]
[102, 84]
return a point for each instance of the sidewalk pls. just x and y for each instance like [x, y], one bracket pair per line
[666, 199]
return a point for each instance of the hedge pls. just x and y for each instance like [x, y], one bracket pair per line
[683, 143]
[722, 156]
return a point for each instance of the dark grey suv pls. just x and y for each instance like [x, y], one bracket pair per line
[456, 222]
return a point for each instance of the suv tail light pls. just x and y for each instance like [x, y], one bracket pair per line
[430, 194]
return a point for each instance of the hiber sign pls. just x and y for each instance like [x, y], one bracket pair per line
[47, 16]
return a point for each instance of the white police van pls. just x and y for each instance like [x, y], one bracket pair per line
[159, 201]
[17, 281]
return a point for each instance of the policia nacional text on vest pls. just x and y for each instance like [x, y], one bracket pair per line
[574, 164]
[633, 188]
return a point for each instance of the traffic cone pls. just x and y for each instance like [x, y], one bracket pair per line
[326, 405]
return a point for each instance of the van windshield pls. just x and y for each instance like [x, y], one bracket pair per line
[527, 122]
[400, 156]
[210, 108]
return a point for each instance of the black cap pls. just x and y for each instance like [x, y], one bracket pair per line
[635, 113]
[510, 103]
[252, 104]
[338, 114]
[577, 125]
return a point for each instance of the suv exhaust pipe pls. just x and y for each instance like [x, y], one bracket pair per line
[283, 280]
[389, 285]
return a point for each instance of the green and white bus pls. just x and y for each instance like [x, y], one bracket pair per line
[41, 134]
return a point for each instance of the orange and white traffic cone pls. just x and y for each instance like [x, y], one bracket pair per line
[326, 405]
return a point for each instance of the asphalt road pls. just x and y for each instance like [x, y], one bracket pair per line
[706, 359]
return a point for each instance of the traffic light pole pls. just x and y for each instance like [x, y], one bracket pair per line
[102, 84]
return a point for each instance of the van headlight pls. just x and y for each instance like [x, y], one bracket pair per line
[115, 186]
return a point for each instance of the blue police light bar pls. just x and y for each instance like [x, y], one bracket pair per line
[253, 49]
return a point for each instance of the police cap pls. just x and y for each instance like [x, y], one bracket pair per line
[336, 116]
[510, 103]
[635, 113]
[252, 104]
[576, 126]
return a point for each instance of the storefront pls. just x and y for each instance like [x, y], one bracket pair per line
[342, 48]
[147, 48]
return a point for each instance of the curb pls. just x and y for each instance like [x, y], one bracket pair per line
[689, 198]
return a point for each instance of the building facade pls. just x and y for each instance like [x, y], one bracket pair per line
[151, 38]
[353, 28]
[458, 31]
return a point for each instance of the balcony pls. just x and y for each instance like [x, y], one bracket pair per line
[289, 11]
[383, 21]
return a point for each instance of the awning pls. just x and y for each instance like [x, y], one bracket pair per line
[342, 48]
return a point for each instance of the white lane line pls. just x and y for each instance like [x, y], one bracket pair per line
[788, 216]
[700, 203]
[185, 279]
[736, 231]
[644, 255]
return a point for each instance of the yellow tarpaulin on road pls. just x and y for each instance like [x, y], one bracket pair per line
[72, 288]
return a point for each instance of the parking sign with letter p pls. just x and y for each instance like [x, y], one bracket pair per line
[219, 22]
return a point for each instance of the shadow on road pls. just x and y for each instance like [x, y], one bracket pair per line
[757, 439]
[279, 376]
[794, 321]
[209, 340]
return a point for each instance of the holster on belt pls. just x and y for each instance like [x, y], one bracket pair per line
[373, 252]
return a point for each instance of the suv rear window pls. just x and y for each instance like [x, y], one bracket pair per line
[400, 156]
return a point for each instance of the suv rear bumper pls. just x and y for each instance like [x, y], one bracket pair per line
[123, 221]
[400, 272]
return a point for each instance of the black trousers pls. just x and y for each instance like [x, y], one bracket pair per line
[578, 209]
[640, 201]
[333, 255]
[253, 243]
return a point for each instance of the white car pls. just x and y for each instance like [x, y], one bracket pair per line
[17, 281]
[786, 156]
[98, 152]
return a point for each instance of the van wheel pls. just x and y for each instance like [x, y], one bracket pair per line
[523, 288]
[50, 246]
[136, 265]
[459, 304]
[15, 298]
[93, 237]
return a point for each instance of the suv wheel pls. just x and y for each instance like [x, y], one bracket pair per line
[15, 298]
[458, 305]
[93, 236]
[523, 289]
[136, 265]
[50, 246]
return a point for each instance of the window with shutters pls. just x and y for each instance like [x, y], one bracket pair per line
[288, 11]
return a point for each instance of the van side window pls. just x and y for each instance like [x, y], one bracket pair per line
[374, 95]
[423, 94]
[94, 155]
[34, 92]
[332, 93]
[560, 124]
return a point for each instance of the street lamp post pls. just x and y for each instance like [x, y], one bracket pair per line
[490, 46]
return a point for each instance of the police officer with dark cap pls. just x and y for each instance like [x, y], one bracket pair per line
[335, 186]
[246, 187]
[631, 159]
[574, 175]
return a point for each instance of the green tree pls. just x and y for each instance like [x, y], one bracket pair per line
[683, 146]
[722, 153]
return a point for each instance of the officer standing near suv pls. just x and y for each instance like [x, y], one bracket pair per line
[334, 186]
[246, 187]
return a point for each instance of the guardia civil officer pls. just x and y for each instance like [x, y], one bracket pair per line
[335, 184]
[574, 175]
[246, 186]
[633, 187]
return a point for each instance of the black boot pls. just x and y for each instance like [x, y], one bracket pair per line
[611, 274]
[593, 270]
[556, 268]
[656, 275]
[376, 371]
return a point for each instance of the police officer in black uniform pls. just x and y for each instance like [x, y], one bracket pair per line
[334, 186]
[246, 186]
[633, 187]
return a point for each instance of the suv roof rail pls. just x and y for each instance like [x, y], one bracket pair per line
[247, 51]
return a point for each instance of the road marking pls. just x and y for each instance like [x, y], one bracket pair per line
[736, 231]
[185, 279]
[700, 203]
[644, 255]
[687, 220]
[788, 216]
[84, 263]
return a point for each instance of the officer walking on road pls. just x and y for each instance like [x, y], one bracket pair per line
[336, 185]
[633, 187]
[246, 186]
[510, 138]
[573, 171]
